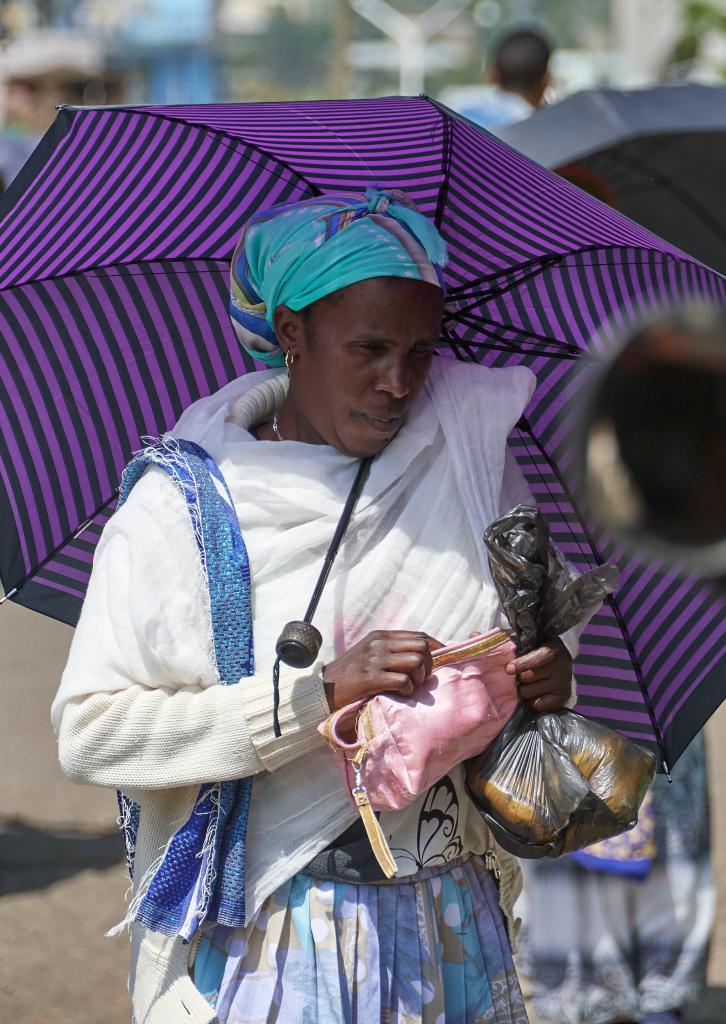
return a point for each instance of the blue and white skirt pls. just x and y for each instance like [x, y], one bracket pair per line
[431, 948]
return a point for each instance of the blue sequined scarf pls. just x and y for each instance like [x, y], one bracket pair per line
[201, 874]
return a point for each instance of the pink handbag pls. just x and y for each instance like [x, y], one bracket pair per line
[391, 749]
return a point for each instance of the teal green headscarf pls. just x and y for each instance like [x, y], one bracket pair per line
[296, 253]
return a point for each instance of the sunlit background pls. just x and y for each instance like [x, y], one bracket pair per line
[194, 51]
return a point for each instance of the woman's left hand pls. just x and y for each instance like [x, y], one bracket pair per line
[544, 676]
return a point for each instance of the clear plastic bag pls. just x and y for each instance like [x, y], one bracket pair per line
[552, 783]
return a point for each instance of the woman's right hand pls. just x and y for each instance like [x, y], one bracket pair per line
[385, 661]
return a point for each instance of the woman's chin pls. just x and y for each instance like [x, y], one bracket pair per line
[366, 442]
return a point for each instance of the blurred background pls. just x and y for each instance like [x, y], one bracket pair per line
[62, 880]
[201, 51]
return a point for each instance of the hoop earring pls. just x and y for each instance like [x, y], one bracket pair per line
[289, 360]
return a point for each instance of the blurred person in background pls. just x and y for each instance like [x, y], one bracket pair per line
[518, 78]
[18, 133]
[633, 915]
[520, 68]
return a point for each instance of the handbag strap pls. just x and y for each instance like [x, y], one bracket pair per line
[359, 793]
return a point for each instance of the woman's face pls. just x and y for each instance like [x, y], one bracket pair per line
[360, 358]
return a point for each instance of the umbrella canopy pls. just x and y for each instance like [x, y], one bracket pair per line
[115, 243]
[643, 152]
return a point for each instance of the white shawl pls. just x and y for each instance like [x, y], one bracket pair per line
[413, 558]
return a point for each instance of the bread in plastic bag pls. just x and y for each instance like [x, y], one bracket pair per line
[554, 782]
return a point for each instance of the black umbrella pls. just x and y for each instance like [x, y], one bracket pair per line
[657, 155]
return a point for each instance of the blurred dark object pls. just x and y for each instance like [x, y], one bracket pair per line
[555, 782]
[643, 152]
[541, 596]
[655, 448]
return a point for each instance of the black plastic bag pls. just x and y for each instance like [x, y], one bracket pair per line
[541, 596]
[552, 783]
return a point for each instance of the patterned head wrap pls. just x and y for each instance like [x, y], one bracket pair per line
[296, 253]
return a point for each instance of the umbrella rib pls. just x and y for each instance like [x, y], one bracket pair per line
[511, 349]
[524, 426]
[514, 277]
[468, 320]
[538, 263]
[447, 125]
[99, 270]
[216, 133]
[51, 555]
[558, 349]
[492, 342]
[457, 347]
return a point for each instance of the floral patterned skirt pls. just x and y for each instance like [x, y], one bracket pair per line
[429, 949]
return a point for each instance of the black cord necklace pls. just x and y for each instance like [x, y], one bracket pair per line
[299, 642]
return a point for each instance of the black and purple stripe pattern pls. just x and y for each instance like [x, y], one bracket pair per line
[116, 240]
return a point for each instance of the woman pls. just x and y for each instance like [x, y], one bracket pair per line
[348, 293]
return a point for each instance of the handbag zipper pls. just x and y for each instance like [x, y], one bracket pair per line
[491, 863]
[470, 650]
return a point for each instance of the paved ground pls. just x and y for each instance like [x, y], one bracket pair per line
[62, 882]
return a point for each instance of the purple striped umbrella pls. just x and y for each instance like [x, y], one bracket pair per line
[115, 242]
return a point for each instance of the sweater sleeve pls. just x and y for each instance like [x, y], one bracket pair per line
[140, 702]
[159, 738]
